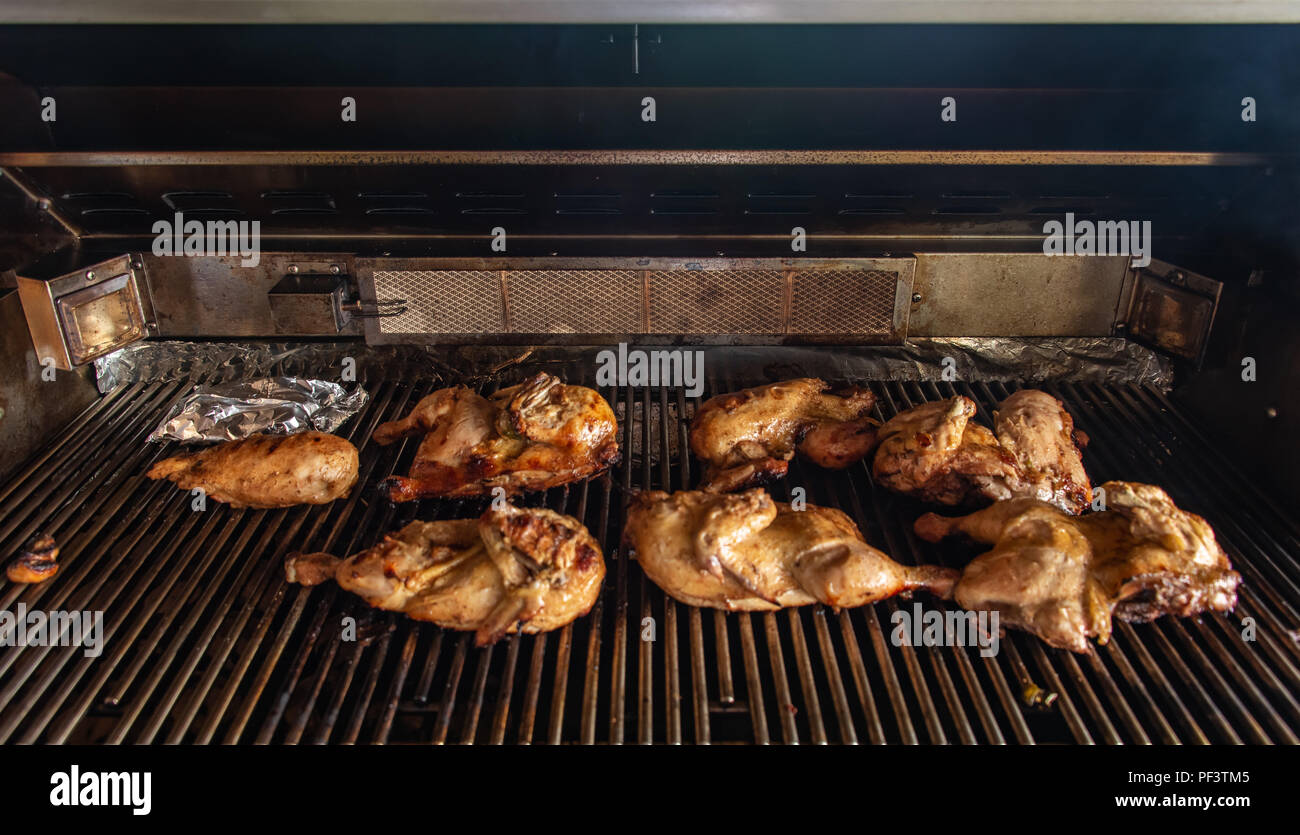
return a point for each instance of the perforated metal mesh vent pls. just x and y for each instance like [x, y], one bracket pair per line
[442, 301]
[574, 301]
[842, 301]
[862, 300]
[717, 301]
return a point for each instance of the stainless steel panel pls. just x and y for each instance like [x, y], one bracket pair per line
[1015, 294]
[215, 296]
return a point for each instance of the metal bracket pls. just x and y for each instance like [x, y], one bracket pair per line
[1171, 309]
[378, 309]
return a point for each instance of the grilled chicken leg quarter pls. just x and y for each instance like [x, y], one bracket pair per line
[267, 471]
[511, 570]
[749, 437]
[745, 552]
[1063, 577]
[533, 436]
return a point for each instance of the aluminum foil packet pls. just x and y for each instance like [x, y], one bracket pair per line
[272, 405]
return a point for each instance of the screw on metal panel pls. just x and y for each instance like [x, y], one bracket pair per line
[90, 274]
[334, 268]
[293, 268]
[1270, 412]
[916, 297]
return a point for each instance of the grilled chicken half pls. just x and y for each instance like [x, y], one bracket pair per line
[746, 552]
[265, 471]
[533, 436]
[511, 570]
[1034, 427]
[936, 452]
[748, 437]
[1064, 577]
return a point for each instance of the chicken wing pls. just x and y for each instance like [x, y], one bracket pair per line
[748, 437]
[745, 552]
[1064, 577]
[533, 436]
[936, 452]
[265, 471]
[511, 570]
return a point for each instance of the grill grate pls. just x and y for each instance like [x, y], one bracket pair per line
[206, 643]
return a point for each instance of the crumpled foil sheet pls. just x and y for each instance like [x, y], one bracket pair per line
[215, 362]
[272, 405]
[1105, 360]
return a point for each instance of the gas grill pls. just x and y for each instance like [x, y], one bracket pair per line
[383, 255]
[206, 643]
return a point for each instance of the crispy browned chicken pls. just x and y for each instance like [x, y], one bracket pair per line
[1063, 577]
[511, 570]
[748, 437]
[37, 562]
[936, 452]
[745, 552]
[266, 471]
[533, 436]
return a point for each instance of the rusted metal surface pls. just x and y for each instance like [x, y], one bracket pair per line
[700, 156]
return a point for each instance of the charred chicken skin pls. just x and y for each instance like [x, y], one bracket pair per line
[533, 436]
[746, 552]
[266, 471]
[1064, 577]
[511, 570]
[936, 452]
[748, 437]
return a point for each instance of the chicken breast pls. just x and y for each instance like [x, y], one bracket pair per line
[512, 570]
[266, 471]
[533, 436]
[745, 552]
[748, 437]
[1064, 577]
